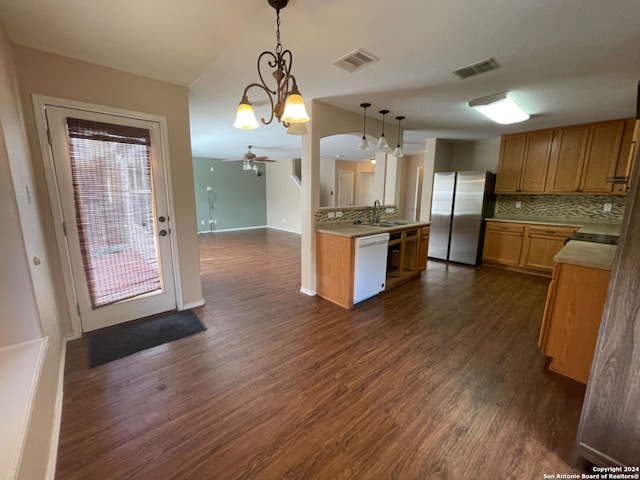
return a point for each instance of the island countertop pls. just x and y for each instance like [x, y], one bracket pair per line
[349, 229]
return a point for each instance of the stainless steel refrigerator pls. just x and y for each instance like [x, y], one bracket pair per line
[461, 201]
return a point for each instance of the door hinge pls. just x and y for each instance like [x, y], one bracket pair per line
[78, 308]
[64, 228]
[49, 136]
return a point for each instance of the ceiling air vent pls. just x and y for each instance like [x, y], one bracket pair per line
[476, 68]
[355, 60]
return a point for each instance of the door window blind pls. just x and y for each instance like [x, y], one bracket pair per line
[113, 193]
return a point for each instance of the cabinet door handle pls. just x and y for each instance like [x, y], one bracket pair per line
[552, 232]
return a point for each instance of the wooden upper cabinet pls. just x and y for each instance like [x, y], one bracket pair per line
[523, 163]
[567, 157]
[577, 158]
[536, 161]
[583, 157]
[601, 158]
[512, 148]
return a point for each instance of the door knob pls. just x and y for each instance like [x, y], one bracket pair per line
[162, 233]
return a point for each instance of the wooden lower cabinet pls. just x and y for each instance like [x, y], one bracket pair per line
[335, 262]
[522, 246]
[424, 249]
[571, 320]
[404, 256]
[503, 243]
[335, 259]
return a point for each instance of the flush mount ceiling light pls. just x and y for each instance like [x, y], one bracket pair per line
[382, 141]
[287, 105]
[499, 108]
[364, 145]
[398, 151]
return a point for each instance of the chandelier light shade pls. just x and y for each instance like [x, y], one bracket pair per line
[297, 129]
[364, 144]
[245, 117]
[500, 108]
[382, 141]
[287, 105]
[398, 151]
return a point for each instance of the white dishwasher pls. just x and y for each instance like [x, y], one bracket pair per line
[370, 266]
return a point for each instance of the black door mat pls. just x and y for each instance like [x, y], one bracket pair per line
[122, 340]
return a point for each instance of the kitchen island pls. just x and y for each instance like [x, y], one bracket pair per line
[575, 302]
[335, 255]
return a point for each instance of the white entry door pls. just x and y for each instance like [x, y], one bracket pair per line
[111, 188]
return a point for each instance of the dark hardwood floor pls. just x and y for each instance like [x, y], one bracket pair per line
[437, 379]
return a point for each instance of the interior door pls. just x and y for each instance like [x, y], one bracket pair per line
[345, 188]
[112, 192]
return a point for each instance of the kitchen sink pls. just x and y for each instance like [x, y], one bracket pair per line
[390, 223]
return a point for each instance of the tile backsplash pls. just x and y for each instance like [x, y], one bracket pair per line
[584, 206]
[351, 214]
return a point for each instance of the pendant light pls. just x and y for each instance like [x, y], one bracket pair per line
[382, 141]
[398, 151]
[364, 145]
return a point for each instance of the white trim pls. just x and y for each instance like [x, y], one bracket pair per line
[19, 384]
[284, 230]
[188, 306]
[234, 229]
[57, 419]
[248, 228]
[306, 291]
[39, 104]
[166, 164]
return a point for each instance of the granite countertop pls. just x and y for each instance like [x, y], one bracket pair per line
[349, 229]
[584, 254]
[587, 254]
[587, 225]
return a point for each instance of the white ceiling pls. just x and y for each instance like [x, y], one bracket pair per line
[564, 61]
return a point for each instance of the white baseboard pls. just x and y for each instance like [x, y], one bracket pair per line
[188, 306]
[306, 291]
[284, 230]
[233, 229]
[57, 420]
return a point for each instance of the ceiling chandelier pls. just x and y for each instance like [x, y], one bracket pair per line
[287, 105]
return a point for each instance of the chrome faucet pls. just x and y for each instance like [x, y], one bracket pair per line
[376, 212]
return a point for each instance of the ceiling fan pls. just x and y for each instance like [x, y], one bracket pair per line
[248, 160]
[249, 156]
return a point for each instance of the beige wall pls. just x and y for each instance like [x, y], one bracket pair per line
[326, 120]
[25, 314]
[476, 156]
[19, 321]
[53, 75]
[284, 197]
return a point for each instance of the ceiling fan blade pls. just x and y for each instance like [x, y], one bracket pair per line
[265, 159]
[261, 158]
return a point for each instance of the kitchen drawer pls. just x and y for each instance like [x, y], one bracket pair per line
[552, 231]
[506, 227]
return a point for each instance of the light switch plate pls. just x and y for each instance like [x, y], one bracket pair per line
[338, 214]
[518, 204]
[331, 214]
[607, 207]
[389, 210]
